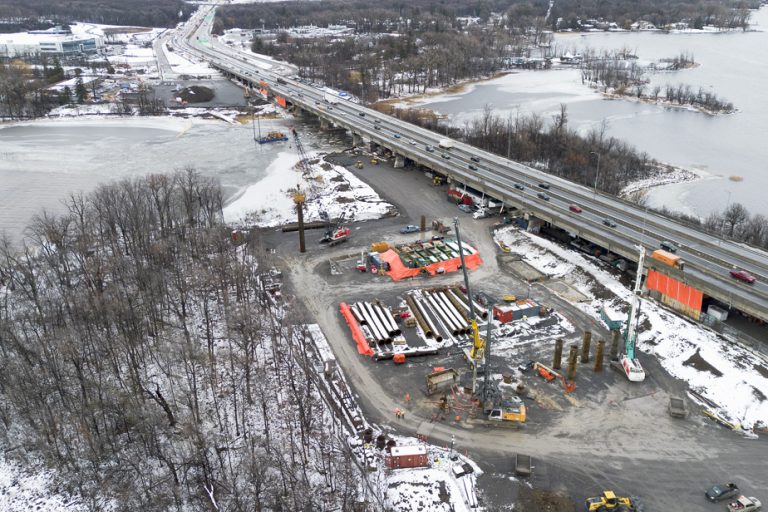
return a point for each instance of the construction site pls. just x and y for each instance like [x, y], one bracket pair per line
[482, 332]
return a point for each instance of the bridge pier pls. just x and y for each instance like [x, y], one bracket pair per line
[399, 161]
[357, 140]
[325, 124]
[373, 147]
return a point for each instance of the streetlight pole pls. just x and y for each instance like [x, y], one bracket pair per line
[597, 173]
[722, 225]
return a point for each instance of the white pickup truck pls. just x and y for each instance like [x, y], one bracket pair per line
[744, 504]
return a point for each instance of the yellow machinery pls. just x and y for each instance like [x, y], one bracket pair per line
[359, 164]
[374, 161]
[609, 501]
[511, 409]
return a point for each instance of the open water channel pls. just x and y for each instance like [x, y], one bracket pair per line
[733, 65]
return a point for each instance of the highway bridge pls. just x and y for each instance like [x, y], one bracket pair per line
[615, 224]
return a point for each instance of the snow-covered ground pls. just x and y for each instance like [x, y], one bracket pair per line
[331, 188]
[23, 491]
[734, 384]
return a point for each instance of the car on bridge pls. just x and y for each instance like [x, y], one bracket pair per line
[668, 246]
[396, 135]
[721, 492]
[410, 228]
[472, 167]
[543, 196]
[743, 275]
[609, 222]
[429, 148]
[519, 186]
[474, 159]
[376, 127]
[544, 185]
[361, 114]
[575, 208]
[447, 157]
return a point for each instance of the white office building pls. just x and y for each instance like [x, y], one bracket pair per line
[55, 41]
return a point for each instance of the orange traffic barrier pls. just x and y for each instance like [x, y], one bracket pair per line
[399, 358]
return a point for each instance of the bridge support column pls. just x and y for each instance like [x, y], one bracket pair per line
[325, 124]
[399, 161]
[373, 147]
[357, 140]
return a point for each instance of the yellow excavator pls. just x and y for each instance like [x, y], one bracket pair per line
[608, 501]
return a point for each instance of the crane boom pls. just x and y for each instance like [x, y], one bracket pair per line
[631, 365]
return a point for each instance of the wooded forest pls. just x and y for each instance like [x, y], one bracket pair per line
[143, 362]
[33, 14]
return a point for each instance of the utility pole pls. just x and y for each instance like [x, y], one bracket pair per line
[597, 173]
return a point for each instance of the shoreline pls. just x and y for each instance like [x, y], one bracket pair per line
[455, 89]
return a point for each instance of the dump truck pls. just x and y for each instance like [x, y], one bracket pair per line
[668, 258]
[609, 501]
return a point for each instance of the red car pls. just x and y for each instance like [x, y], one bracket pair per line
[575, 208]
[743, 275]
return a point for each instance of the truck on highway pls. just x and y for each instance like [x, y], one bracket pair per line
[744, 504]
[445, 144]
[329, 98]
[668, 258]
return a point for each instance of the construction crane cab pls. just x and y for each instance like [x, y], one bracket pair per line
[335, 232]
[509, 409]
[478, 343]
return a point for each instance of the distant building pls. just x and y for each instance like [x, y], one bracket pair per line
[54, 41]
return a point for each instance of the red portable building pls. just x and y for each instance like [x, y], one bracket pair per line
[407, 457]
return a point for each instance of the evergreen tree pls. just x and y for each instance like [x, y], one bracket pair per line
[65, 96]
[80, 91]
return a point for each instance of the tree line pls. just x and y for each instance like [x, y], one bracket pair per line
[550, 145]
[726, 14]
[33, 14]
[143, 360]
[612, 73]
[733, 222]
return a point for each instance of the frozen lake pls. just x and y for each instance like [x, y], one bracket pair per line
[732, 65]
[42, 162]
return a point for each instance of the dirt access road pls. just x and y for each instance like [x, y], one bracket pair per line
[620, 438]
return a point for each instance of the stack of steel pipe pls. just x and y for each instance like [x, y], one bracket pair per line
[449, 307]
[379, 333]
[479, 309]
[425, 326]
[387, 319]
[447, 319]
[419, 319]
[461, 308]
[419, 307]
[358, 316]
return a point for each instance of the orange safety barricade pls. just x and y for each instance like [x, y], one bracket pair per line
[399, 358]
[357, 334]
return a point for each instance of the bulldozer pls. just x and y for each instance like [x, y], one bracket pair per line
[609, 501]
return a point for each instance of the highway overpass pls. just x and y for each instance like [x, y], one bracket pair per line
[708, 258]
